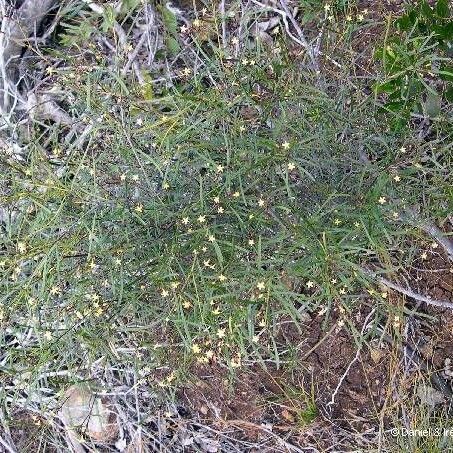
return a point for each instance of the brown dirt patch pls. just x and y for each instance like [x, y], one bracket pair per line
[28, 431]
[283, 399]
[434, 277]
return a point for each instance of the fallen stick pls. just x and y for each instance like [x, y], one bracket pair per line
[412, 294]
[408, 291]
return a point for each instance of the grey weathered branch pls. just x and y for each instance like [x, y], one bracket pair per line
[408, 291]
[17, 27]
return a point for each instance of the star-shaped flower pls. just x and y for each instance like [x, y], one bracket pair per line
[286, 145]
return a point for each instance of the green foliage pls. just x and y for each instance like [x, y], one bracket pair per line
[308, 414]
[171, 30]
[128, 6]
[416, 63]
[77, 33]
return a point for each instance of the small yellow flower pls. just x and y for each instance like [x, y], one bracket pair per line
[397, 178]
[186, 304]
[333, 281]
[236, 194]
[185, 220]
[382, 200]
[209, 354]
[21, 247]
[186, 71]
[286, 145]
[395, 215]
[434, 245]
[221, 333]
[117, 261]
[291, 166]
[357, 224]
[175, 285]
[310, 284]
[31, 301]
[164, 293]
[241, 128]
[216, 311]
[261, 202]
[202, 219]
[360, 17]
[138, 208]
[337, 222]
[165, 186]
[123, 177]
[220, 168]
[48, 335]
[262, 323]
[216, 200]
[211, 238]
[184, 29]
[424, 256]
[235, 362]
[255, 338]
[222, 277]
[135, 178]
[196, 349]
[348, 18]
[261, 286]
[384, 295]
[235, 40]
[196, 23]
[342, 291]
[220, 210]
[403, 150]
[251, 242]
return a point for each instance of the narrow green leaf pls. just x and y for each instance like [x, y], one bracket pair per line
[443, 8]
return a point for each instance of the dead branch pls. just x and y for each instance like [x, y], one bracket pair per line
[286, 15]
[438, 236]
[408, 291]
[17, 27]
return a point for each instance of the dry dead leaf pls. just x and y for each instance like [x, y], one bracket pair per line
[376, 354]
[287, 415]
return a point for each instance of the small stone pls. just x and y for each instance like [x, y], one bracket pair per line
[430, 396]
